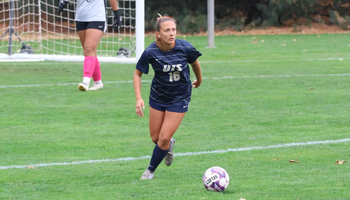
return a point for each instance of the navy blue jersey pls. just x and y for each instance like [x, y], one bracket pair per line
[171, 82]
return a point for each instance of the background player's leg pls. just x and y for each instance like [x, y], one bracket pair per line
[89, 38]
[97, 76]
[84, 86]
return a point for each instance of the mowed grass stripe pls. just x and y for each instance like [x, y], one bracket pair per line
[207, 78]
[181, 154]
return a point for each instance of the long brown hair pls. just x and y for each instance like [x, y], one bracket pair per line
[158, 26]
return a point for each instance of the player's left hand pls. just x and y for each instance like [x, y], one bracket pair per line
[117, 21]
[62, 5]
[196, 83]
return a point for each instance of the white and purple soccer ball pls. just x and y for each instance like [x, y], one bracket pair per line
[216, 179]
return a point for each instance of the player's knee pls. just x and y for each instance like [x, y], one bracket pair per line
[164, 140]
[88, 50]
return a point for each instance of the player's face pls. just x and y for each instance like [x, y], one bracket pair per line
[167, 33]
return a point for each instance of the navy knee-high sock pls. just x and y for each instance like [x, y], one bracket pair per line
[157, 157]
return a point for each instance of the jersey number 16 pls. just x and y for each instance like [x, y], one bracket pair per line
[174, 74]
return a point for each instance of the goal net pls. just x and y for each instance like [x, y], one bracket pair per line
[33, 30]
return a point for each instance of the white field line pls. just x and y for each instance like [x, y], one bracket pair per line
[181, 154]
[211, 78]
[275, 76]
[44, 62]
[251, 61]
[60, 84]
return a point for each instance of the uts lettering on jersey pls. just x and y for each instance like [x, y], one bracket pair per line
[171, 82]
[174, 71]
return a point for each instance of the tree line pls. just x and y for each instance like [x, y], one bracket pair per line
[239, 15]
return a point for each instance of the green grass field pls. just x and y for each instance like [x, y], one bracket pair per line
[264, 100]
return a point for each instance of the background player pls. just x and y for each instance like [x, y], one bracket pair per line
[91, 24]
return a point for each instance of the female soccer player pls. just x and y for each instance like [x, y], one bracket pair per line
[170, 90]
[91, 24]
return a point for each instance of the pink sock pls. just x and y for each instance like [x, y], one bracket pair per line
[89, 66]
[97, 72]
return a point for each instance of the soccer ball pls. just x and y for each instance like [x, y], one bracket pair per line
[216, 179]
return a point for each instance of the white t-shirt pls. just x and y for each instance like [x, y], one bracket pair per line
[90, 10]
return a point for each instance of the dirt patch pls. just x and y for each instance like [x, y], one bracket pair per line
[314, 29]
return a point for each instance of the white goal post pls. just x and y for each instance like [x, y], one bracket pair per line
[32, 30]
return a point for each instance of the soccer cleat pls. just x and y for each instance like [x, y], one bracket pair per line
[97, 86]
[168, 159]
[83, 87]
[147, 175]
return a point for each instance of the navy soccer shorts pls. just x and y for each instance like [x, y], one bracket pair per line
[179, 107]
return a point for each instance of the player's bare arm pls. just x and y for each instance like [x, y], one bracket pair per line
[140, 104]
[113, 4]
[196, 67]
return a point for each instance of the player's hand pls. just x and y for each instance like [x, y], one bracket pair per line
[117, 21]
[196, 83]
[62, 5]
[140, 104]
